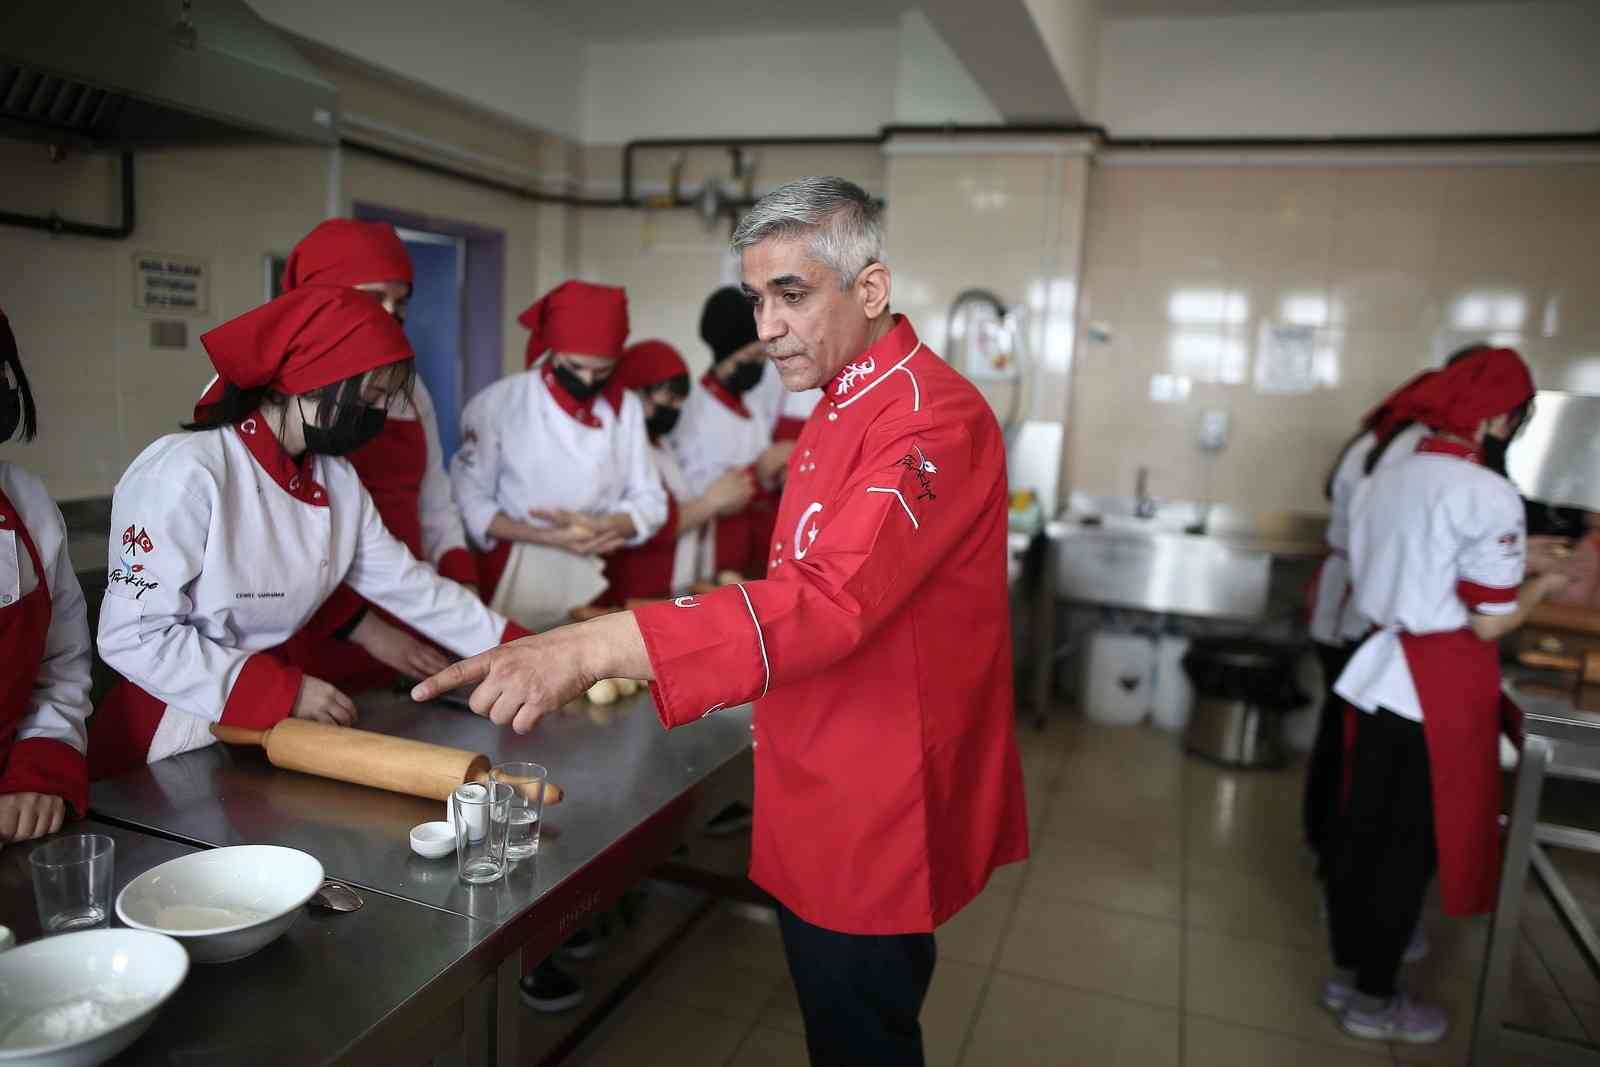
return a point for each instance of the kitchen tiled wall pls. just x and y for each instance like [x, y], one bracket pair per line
[104, 392]
[1388, 264]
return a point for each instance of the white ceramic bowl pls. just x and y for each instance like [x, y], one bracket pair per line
[433, 840]
[225, 903]
[78, 999]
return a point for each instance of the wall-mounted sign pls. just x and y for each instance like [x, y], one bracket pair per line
[166, 284]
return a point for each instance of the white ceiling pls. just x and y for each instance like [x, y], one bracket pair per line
[1139, 8]
[635, 20]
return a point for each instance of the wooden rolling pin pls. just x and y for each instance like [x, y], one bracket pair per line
[397, 764]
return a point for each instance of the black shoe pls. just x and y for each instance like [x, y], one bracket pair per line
[733, 819]
[582, 945]
[549, 989]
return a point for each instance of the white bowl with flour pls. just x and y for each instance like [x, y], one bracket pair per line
[75, 1000]
[225, 903]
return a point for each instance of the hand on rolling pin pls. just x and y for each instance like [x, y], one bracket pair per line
[521, 682]
[396, 649]
[321, 702]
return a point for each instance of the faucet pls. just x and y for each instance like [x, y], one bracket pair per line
[1144, 506]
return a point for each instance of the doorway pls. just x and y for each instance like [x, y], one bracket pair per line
[454, 319]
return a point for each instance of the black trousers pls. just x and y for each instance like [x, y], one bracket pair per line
[861, 995]
[1325, 771]
[1384, 852]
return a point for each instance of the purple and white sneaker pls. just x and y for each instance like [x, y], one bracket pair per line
[1397, 1019]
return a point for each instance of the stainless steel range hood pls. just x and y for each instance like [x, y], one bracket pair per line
[1556, 458]
[133, 73]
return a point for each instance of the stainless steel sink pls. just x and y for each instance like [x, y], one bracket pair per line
[1174, 556]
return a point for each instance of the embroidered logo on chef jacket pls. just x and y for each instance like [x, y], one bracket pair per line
[136, 543]
[853, 374]
[129, 582]
[922, 469]
[805, 531]
[1510, 544]
[685, 602]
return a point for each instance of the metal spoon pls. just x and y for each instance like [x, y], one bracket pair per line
[336, 896]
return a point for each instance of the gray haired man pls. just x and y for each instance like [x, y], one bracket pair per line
[877, 649]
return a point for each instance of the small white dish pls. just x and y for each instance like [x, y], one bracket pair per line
[433, 840]
[75, 1000]
[225, 903]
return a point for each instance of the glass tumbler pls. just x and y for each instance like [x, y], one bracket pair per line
[527, 806]
[72, 882]
[481, 812]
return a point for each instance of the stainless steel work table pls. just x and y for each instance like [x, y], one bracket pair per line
[1562, 725]
[629, 788]
[335, 988]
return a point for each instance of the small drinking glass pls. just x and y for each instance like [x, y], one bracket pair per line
[527, 806]
[481, 812]
[72, 882]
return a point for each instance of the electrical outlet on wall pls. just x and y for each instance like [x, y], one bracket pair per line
[1214, 426]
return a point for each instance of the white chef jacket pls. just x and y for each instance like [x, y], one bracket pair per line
[713, 438]
[442, 529]
[1433, 539]
[222, 547]
[686, 554]
[1334, 618]
[520, 450]
[59, 704]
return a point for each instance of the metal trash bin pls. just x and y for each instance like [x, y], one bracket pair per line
[1243, 689]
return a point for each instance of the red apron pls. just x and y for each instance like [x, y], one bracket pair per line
[391, 467]
[37, 765]
[643, 572]
[1457, 677]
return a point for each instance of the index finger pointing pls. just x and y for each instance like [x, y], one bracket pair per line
[454, 676]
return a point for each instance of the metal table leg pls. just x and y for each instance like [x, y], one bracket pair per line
[1495, 981]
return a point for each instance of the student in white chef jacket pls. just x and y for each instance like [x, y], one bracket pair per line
[44, 630]
[349, 642]
[1336, 627]
[225, 539]
[739, 418]
[554, 468]
[669, 563]
[1437, 555]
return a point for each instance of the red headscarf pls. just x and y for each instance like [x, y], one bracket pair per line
[1490, 382]
[577, 317]
[1382, 419]
[306, 339]
[347, 253]
[649, 363]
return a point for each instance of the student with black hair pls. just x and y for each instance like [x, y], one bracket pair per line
[44, 629]
[225, 539]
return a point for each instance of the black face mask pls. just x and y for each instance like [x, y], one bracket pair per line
[745, 376]
[10, 410]
[661, 421]
[1494, 453]
[353, 426]
[576, 387]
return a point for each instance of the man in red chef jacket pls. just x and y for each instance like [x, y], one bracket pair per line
[877, 649]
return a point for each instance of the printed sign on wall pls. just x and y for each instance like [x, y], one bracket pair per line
[167, 283]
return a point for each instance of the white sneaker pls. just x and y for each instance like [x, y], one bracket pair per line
[1337, 991]
[1398, 1019]
[1417, 947]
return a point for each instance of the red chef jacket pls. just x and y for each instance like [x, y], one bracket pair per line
[878, 652]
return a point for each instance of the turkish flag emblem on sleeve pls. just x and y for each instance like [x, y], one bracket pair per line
[137, 542]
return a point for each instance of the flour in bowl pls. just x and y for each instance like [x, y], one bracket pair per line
[72, 1020]
[194, 917]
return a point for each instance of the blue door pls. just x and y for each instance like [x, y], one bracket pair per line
[433, 324]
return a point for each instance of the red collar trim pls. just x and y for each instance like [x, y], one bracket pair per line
[583, 413]
[728, 397]
[1445, 447]
[293, 478]
[864, 372]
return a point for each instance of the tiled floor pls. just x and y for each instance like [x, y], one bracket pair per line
[1168, 916]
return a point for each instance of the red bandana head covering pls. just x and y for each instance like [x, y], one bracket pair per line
[577, 317]
[347, 252]
[649, 363]
[1490, 382]
[1383, 420]
[305, 340]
